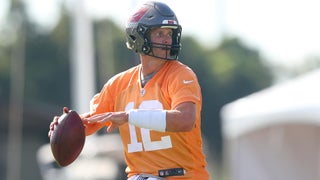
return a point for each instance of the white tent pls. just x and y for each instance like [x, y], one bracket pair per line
[275, 133]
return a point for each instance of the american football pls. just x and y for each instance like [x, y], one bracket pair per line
[68, 138]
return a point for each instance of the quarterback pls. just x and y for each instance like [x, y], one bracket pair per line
[156, 105]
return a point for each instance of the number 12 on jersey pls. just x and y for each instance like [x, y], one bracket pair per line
[147, 144]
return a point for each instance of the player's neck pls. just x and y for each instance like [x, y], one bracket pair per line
[151, 65]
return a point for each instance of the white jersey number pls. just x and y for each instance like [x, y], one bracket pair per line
[146, 144]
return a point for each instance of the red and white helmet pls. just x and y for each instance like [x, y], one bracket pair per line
[153, 15]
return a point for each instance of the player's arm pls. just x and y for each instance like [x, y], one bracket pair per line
[181, 118]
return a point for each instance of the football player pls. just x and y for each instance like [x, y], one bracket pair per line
[156, 105]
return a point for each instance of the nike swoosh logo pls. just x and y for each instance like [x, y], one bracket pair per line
[187, 81]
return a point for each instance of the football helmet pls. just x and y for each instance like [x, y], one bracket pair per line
[153, 15]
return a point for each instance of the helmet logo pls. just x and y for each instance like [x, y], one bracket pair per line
[169, 22]
[137, 16]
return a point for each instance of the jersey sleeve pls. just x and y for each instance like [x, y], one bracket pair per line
[184, 87]
[100, 103]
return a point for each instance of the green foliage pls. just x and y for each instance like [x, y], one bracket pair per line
[4, 73]
[239, 69]
[112, 55]
[47, 65]
[225, 73]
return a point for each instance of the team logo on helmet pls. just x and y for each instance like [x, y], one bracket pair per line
[169, 22]
[137, 16]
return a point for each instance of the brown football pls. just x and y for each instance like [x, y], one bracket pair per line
[68, 138]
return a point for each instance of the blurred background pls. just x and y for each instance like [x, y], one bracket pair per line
[236, 48]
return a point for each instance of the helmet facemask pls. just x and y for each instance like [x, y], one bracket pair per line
[172, 50]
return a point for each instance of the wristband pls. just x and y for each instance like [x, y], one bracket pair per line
[148, 118]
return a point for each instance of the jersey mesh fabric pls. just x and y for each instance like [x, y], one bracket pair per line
[147, 151]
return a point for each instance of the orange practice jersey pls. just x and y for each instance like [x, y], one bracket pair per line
[147, 151]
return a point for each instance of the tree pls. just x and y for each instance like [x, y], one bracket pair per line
[227, 72]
